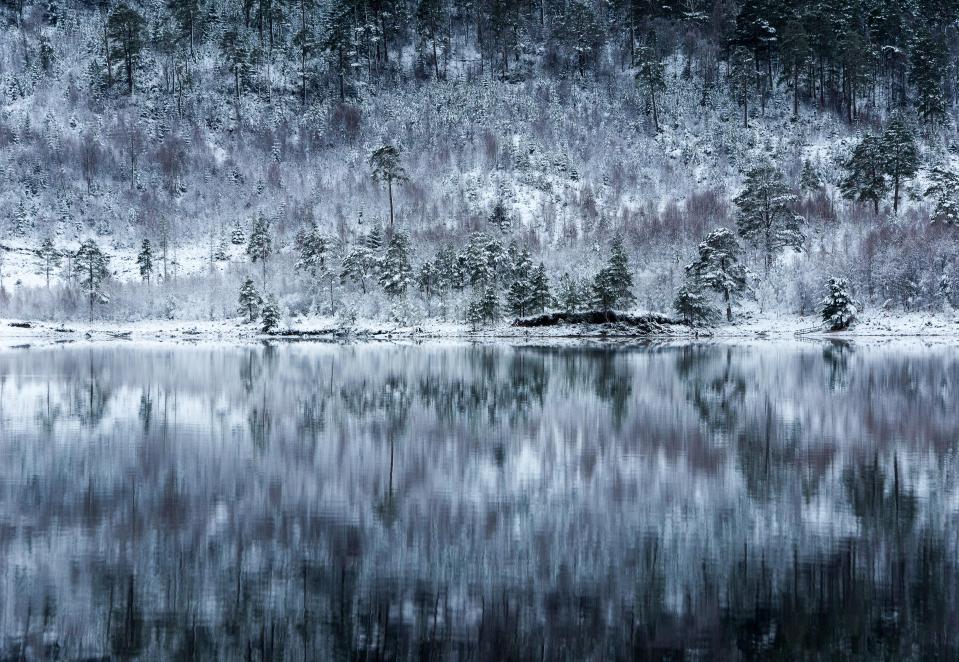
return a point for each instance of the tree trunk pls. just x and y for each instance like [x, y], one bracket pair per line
[389, 188]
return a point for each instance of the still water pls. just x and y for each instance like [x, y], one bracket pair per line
[383, 501]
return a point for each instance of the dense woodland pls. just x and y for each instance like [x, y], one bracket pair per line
[474, 161]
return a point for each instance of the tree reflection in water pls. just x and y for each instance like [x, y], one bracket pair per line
[474, 502]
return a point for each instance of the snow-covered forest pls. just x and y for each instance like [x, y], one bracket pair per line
[398, 160]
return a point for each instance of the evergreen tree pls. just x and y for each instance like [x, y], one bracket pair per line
[570, 296]
[764, 218]
[260, 247]
[90, 265]
[449, 268]
[250, 300]
[124, 37]
[312, 247]
[928, 64]
[838, 308]
[499, 217]
[693, 306]
[49, 257]
[651, 75]
[489, 305]
[476, 265]
[945, 191]
[271, 314]
[340, 44]
[741, 76]
[795, 56]
[718, 268]
[358, 266]
[387, 167]
[474, 312]
[430, 18]
[427, 279]
[519, 295]
[866, 173]
[540, 298]
[810, 180]
[374, 240]
[145, 260]
[901, 155]
[396, 274]
[613, 285]
[237, 236]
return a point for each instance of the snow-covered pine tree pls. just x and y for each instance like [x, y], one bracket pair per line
[49, 257]
[474, 312]
[810, 180]
[90, 266]
[145, 260]
[359, 265]
[742, 77]
[386, 166]
[260, 247]
[764, 218]
[489, 305]
[928, 64]
[694, 306]
[427, 280]
[396, 272]
[540, 296]
[518, 296]
[900, 153]
[237, 236]
[945, 190]
[569, 298]
[718, 268]
[499, 218]
[865, 180]
[650, 77]
[312, 247]
[271, 314]
[374, 240]
[250, 300]
[477, 271]
[613, 286]
[838, 308]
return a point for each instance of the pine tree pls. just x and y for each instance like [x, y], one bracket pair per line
[499, 218]
[49, 257]
[387, 167]
[901, 155]
[741, 75]
[427, 279]
[374, 240]
[359, 265]
[396, 274]
[312, 247]
[260, 247]
[613, 285]
[866, 178]
[477, 269]
[945, 191]
[838, 308]
[519, 296]
[124, 35]
[90, 265]
[237, 236]
[718, 268]
[570, 298]
[540, 297]
[489, 305]
[474, 312]
[21, 220]
[145, 260]
[271, 314]
[250, 300]
[764, 218]
[693, 306]
[651, 75]
[928, 63]
[430, 18]
[810, 179]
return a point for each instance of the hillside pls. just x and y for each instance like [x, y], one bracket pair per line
[198, 126]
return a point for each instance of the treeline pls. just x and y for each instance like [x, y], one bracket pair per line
[859, 58]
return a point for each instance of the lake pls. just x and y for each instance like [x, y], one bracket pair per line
[454, 501]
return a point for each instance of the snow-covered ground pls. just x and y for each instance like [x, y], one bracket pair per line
[877, 325]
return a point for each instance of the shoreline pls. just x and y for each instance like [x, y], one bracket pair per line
[939, 328]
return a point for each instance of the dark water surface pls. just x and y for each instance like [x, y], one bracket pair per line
[318, 502]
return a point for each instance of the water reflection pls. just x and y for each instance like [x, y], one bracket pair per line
[471, 502]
